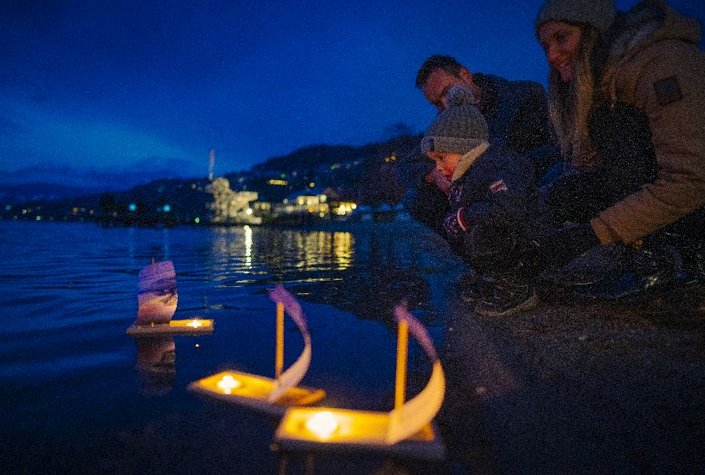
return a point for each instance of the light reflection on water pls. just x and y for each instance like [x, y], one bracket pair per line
[71, 378]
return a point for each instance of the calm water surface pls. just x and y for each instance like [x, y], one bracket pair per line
[76, 396]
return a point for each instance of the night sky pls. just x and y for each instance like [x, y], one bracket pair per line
[127, 91]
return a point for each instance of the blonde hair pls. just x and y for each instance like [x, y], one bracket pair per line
[569, 104]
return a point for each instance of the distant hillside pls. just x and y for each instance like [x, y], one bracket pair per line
[32, 192]
[366, 174]
[314, 156]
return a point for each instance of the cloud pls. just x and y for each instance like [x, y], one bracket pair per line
[35, 139]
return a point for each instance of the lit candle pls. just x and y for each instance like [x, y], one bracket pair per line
[323, 424]
[227, 383]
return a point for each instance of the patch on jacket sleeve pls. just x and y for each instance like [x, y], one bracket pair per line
[498, 186]
[668, 90]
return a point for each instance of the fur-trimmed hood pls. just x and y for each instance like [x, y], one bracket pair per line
[648, 23]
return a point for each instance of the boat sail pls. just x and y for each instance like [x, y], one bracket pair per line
[157, 299]
[271, 395]
[407, 430]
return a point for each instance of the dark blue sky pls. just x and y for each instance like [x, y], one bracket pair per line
[113, 87]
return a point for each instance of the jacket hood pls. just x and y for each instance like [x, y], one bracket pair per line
[649, 22]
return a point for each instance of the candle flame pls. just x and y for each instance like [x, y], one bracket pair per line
[227, 383]
[323, 424]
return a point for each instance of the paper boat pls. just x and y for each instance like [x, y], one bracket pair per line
[407, 430]
[157, 298]
[271, 395]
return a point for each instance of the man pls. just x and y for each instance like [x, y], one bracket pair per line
[516, 114]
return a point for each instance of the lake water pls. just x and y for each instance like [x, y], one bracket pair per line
[75, 397]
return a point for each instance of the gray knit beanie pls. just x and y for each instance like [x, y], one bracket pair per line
[459, 128]
[598, 13]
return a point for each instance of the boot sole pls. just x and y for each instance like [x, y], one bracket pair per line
[529, 304]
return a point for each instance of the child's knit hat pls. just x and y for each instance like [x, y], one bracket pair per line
[459, 128]
[598, 13]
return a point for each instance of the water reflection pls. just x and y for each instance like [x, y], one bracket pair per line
[278, 252]
[156, 363]
[248, 247]
[71, 304]
[365, 272]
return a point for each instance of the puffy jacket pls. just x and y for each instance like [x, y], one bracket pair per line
[517, 117]
[498, 192]
[655, 64]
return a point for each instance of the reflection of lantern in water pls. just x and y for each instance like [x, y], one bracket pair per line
[156, 363]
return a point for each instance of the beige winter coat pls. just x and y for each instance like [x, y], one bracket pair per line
[659, 68]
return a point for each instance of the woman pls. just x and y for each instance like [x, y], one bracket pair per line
[615, 81]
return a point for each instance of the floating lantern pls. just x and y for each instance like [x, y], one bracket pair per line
[407, 430]
[158, 298]
[271, 395]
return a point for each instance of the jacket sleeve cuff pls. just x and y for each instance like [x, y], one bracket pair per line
[462, 222]
[604, 233]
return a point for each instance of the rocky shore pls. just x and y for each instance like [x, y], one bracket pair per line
[579, 387]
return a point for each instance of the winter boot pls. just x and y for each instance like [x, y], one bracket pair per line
[508, 299]
[475, 286]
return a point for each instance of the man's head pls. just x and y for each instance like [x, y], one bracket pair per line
[456, 131]
[438, 74]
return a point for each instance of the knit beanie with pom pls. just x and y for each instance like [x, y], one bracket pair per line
[459, 128]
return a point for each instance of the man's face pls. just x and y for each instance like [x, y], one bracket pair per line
[438, 84]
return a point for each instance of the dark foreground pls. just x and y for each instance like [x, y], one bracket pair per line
[581, 387]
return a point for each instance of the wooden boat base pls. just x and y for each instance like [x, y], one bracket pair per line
[254, 391]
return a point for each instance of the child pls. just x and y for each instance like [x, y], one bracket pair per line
[495, 206]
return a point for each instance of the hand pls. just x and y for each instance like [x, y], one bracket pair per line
[454, 225]
[435, 177]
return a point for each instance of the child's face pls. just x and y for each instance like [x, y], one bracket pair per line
[446, 163]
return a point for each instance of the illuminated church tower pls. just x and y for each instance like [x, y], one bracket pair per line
[211, 165]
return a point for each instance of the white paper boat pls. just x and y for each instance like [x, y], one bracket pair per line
[271, 395]
[404, 431]
[157, 298]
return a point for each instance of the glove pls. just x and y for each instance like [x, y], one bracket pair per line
[564, 245]
[435, 177]
[455, 225]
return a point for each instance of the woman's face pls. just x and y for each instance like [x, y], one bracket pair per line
[560, 41]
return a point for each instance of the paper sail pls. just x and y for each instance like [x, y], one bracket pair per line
[157, 299]
[404, 431]
[271, 395]
[418, 412]
[295, 373]
[157, 294]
